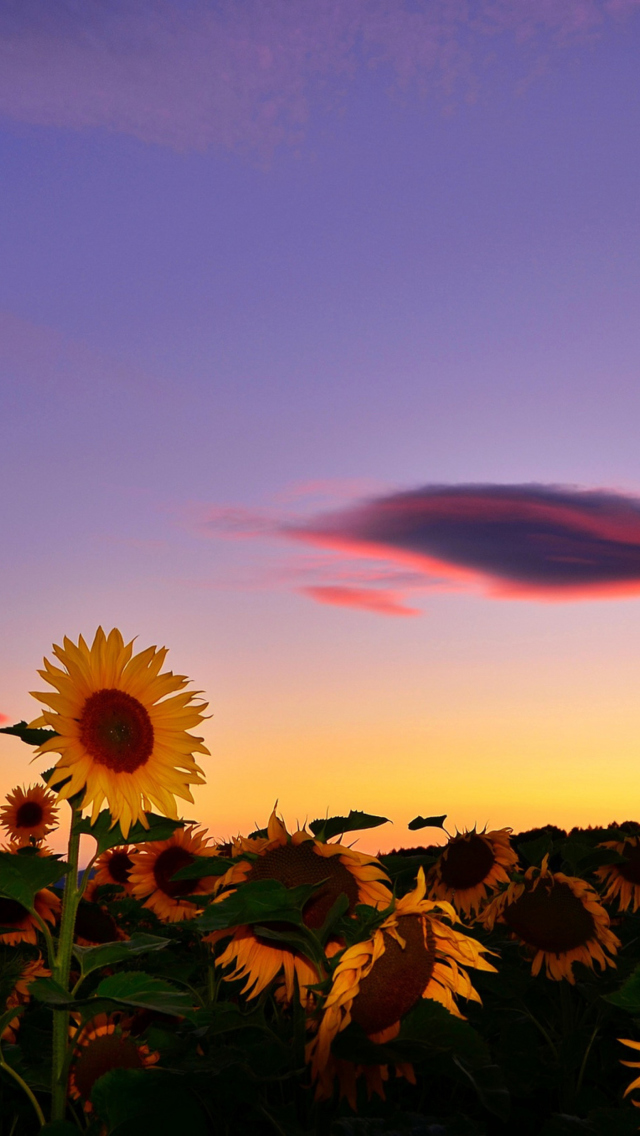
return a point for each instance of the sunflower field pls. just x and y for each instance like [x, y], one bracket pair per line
[282, 983]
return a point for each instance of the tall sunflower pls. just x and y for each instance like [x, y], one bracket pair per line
[154, 865]
[558, 918]
[104, 1043]
[20, 995]
[30, 814]
[622, 881]
[295, 859]
[120, 737]
[470, 867]
[414, 954]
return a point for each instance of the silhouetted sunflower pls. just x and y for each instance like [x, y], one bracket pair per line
[29, 814]
[622, 881]
[103, 1044]
[414, 954]
[153, 867]
[20, 995]
[557, 917]
[95, 925]
[470, 867]
[119, 736]
[295, 859]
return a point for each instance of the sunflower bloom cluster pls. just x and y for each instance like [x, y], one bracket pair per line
[557, 917]
[121, 728]
[414, 954]
[471, 866]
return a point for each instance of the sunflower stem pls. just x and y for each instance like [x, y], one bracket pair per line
[62, 968]
[24, 1086]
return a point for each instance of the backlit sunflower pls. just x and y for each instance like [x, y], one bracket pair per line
[470, 867]
[30, 814]
[632, 1065]
[17, 922]
[559, 918]
[113, 868]
[295, 859]
[95, 925]
[120, 737]
[20, 995]
[103, 1044]
[622, 881]
[154, 865]
[414, 954]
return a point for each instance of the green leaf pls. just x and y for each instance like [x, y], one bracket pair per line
[92, 958]
[54, 782]
[259, 901]
[333, 826]
[627, 997]
[107, 835]
[204, 866]
[427, 822]
[21, 876]
[30, 737]
[135, 988]
[534, 851]
[132, 1102]
[9, 1015]
[50, 992]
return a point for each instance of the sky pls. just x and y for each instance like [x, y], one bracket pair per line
[320, 365]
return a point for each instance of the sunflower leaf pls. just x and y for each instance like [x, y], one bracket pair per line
[203, 866]
[427, 822]
[258, 901]
[9, 1015]
[92, 958]
[627, 996]
[135, 988]
[130, 1102]
[54, 783]
[107, 835]
[22, 876]
[534, 851]
[30, 737]
[50, 992]
[334, 826]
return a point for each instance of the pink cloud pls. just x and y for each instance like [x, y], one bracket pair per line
[365, 599]
[3, 719]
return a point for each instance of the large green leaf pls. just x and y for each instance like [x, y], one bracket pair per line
[259, 901]
[92, 958]
[427, 822]
[109, 835]
[137, 1102]
[135, 988]
[31, 737]
[334, 826]
[21, 876]
[204, 866]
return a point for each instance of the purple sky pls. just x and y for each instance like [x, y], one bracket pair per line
[265, 262]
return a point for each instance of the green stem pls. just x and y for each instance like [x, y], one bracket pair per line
[25, 1088]
[61, 970]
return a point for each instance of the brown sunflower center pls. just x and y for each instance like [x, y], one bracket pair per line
[296, 864]
[550, 918]
[109, 1051]
[119, 867]
[398, 978]
[12, 913]
[466, 862]
[630, 870]
[116, 730]
[168, 862]
[95, 924]
[29, 815]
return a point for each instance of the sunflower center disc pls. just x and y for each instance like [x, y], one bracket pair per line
[630, 871]
[29, 815]
[168, 862]
[296, 864]
[116, 730]
[102, 1054]
[12, 913]
[398, 978]
[119, 867]
[466, 862]
[95, 924]
[551, 918]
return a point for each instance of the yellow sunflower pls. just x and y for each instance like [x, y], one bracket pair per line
[20, 995]
[414, 954]
[472, 865]
[632, 1065]
[103, 1044]
[119, 736]
[154, 865]
[559, 918]
[19, 925]
[113, 868]
[295, 859]
[30, 814]
[622, 881]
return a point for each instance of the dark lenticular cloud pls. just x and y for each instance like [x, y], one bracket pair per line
[522, 539]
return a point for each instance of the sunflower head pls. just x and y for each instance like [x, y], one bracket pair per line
[470, 867]
[95, 925]
[622, 880]
[103, 1044]
[17, 922]
[558, 918]
[121, 739]
[154, 866]
[113, 868]
[29, 814]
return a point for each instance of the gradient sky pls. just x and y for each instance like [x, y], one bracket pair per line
[320, 365]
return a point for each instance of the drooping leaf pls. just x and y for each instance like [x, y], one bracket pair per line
[107, 835]
[334, 826]
[30, 737]
[93, 958]
[427, 822]
[258, 901]
[22, 876]
[135, 988]
[204, 866]
[133, 1102]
